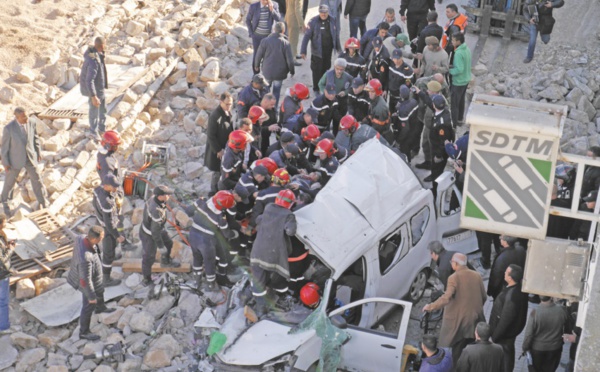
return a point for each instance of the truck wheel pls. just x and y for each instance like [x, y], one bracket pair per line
[417, 287]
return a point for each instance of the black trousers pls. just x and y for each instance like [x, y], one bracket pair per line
[304, 8]
[109, 245]
[319, 66]
[485, 241]
[149, 250]
[546, 361]
[457, 103]
[214, 182]
[87, 310]
[508, 345]
[262, 279]
[414, 24]
[458, 348]
[436, 170]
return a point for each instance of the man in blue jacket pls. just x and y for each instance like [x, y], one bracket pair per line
[94, 81]
[324, 36]
[259, 21]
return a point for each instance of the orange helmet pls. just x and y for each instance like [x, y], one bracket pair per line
[257, 113]
[280, 177]
[223, 200]
[285, 198]
[300, 91]
[374, 85]
[111, 140]
[349, 123]
[309, 294]
[267, 163]
[310, 133]
[325, 146]
[352, 43]
[238, 139]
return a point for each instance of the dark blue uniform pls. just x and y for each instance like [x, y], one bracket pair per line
[231, 168]
[247, 98]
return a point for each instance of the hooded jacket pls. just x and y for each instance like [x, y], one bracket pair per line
[93, 76]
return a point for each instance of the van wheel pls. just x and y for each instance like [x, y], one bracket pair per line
[417, 287]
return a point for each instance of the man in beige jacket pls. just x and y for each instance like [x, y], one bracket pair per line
[295, 24]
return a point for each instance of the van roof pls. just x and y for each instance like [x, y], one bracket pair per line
[365, 196]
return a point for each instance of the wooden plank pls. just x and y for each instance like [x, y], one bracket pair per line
[509, 24]
[136, 267]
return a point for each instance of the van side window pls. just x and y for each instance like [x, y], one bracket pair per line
[418, 224]
[392, 249]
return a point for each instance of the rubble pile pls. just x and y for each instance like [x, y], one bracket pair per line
[561, 74]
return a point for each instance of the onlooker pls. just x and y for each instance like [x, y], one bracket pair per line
[275, 57]
[399, 42]
[442, 259]
[509, 314]
[21, 149]
[366, 42]
[484, 242]
[461, 76]
[6, 250]
[457, 23]
[539, 14]
[432, 29]
[390, 19]
[259, 20]
[217, 133]
[463, 306]
[324, 38]
[438, 359]
[295, 24]
[86, 275]
[94, 80]
[511, 253]
[483, 355]
[358, 10]
[414, 13]
[434, 58]
[544, 334]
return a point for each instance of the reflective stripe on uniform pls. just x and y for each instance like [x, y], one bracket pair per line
[202, 229]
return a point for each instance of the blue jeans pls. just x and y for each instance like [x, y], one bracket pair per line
[4, 300]
[356, 23]
[97, 115]
[276, 86]
[533, 31]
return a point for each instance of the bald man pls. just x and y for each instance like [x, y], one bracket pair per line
[463, 306]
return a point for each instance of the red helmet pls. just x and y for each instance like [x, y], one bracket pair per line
[300, 91]
[111, 140]
[349, 123]
[310, 133]
[281, 177]
[352, 43]
[285, 198]
[374, 85]
[238, 139]
[309, 294]
[267, 163]
[257, 113]
[223, 200]
[325, 147]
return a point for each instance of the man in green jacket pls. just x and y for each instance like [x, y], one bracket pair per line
[461, 76]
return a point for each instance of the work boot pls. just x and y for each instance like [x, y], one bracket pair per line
[285, 301]
[167, 261]
[212, 286]
[224, 281]
[110, 282]
[104, 309]
[89, 336]
[127, 246]
[261, 306]
[147, 281]
[424, 165]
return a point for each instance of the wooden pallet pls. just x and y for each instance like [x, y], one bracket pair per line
[59, 235]
[135, 266]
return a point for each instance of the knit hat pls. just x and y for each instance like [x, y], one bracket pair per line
[434, 86]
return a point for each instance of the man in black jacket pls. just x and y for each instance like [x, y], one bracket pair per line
[511, 253]
[509, 314]
[217, 132]
[414, 13]
[539, 13]
[432, 29]
[591, 175]
[358, 10]
[483, 355]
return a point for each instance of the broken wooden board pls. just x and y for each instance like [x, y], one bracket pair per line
[47, 310]
[31, 241]
[135, 266]
[74, 106]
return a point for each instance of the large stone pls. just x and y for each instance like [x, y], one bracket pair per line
[596, 102]
[52, 336]
[233, 44]
[156, 53]
[211, 72]
[134, 28]
[193, 70]
[7, 94]
[81, 159]
[479, 69]
[8, 354]
[142, 322]
[131, 364]
[207, 104]
[189, 307]
[181, 139]
[202, 119]
[111, 318]
[25, 75]
[167, 115]
[126, 317]
[193, 170]
[24, 340]
[56, 360]
[578, 115]
[45, 284]
[159, 307]
[29, 358]
[162, 351]
[586, 106]
[553, 93]
[121, 110]
[133, 280]
[574, 95]
[180, 103]
[179, 87]
[217, 88]
[232, 15]
[57, 142]
[25, 289]
[57, 369]
[61, 124]
[241, 78]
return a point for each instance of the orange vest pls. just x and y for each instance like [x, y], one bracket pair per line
[461, 21]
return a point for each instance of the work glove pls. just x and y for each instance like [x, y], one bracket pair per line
[437, 160]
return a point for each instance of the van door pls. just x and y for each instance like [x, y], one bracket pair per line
[448, 206]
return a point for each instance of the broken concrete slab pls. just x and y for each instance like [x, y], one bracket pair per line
[8, 354]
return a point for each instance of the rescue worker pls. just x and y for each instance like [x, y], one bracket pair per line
[441, 132]
[280, 178]
[107, 161]
[379, 114]
[379, 63]
[264, 122]
[207, 237]
[328, 163]
[414, 13]
[251, 95]
[326, 105]
[390, 18]
[457, 23]
[406, 122]
[153, 234]
[352, 134]
[358, 100]
[85, 275]
[232, 161]
[107, 205]
[269, 257]
[400, 74]
[356, 65]
[310, 136]
[341, 152]
[309, 295]
[343, 83]
[291, 159]
[424, 95]
[292, 103]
